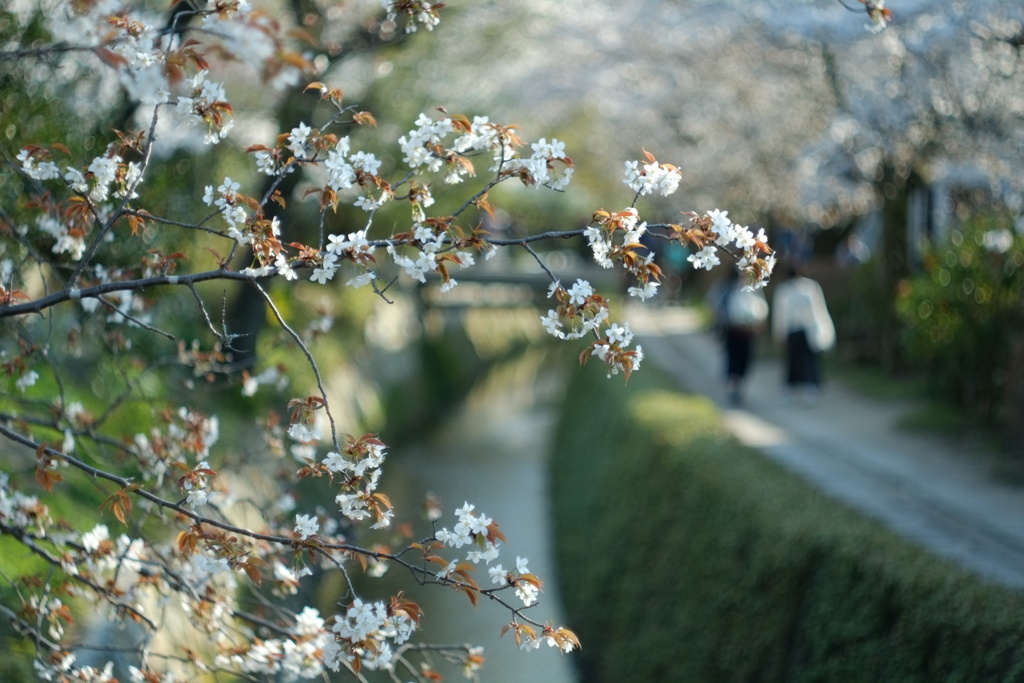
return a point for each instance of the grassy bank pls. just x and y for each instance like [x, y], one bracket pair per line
[686, 557]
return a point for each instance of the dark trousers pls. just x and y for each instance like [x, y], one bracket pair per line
[739, 348]
[801, 361]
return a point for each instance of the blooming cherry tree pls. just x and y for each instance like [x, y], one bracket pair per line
[92, 261]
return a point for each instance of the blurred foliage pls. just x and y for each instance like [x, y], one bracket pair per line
[704, 561]
[962, 312]
[15, 651]
[27, 106]
[858, 303]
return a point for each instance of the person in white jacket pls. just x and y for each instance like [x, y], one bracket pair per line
[800, 321]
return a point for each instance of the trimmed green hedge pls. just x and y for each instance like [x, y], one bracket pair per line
[685, 556]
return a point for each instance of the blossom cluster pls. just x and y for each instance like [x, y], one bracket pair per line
[432, 245]
[471, 529]
[188, 436]
[357, 468]
[424, 147]
[526, 589]
[134, 44]
[206, 101]
[300, 656]
[609, 246]
[69, 224]
[353, 247]
[613, 350]
[417, 11]
[61, 667]
[432, 252]
[580, 311]
[121, 558]
[481, 533]
[879, 16]
[231, 205]
[345, 170]
[715, 231]
[22, 511]
[149, 62]
[652, 177]
[366, 632]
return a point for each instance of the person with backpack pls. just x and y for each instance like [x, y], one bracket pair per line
[740, 315]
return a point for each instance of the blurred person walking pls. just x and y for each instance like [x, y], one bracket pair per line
[802, 324]
[740, 316]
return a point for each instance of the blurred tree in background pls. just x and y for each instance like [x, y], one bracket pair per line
[801, 122]
[964, 313]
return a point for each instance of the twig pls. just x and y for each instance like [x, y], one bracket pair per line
[309, 358]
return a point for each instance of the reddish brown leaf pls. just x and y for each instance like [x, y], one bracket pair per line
[364, 118]
[46, 478]
[253, 572]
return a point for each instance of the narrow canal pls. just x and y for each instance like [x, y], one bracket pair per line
[492, 452]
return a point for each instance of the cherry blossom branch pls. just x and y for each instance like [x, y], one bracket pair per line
[225, 338]
[128, 194]
[28, 629]
[540, 262]
[132, 319]
[29, 542]
[60, 48]
[199, 227]
[139, 284]
[127, 483]
[95, 291]
[309, 358]
[424, 575]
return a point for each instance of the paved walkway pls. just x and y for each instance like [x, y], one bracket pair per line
[851, 448]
